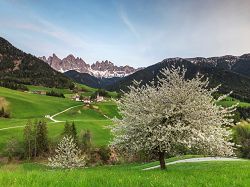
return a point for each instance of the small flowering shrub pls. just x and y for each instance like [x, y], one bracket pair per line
[67, 155]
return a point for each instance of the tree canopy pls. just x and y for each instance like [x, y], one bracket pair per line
[176, 113]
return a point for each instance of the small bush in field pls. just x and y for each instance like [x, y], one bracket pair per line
[4, 108]
[13, 148]
[242, 138]
[67, 155]
[104, 153]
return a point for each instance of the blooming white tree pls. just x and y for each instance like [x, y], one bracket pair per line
[67, 155]
[174, 113]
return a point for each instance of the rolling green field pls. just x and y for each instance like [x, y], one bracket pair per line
[28, 106]
[229, 101]
[42, 88]
[88, 91]
[207, 174]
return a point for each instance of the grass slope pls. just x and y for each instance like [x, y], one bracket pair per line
[42, 88]
[207, 174]
[229, 101]
[109, 108]
[25, 106]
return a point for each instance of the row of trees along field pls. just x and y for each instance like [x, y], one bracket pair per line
[36, 144]
[35, 139]
[55, 94]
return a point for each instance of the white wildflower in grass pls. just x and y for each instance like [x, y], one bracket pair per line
[67, 155]
[175, 113]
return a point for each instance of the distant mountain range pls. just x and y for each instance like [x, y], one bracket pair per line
[18, 67]
[232, 72]
[102, 69]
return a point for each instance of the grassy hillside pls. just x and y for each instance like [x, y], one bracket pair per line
[25, 106]
[86, 90]
[18, 67]
[219, 174]
[89, 90]
[229, 101]
[109, 109]
[42, 88]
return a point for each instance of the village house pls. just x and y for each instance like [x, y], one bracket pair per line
[40, 92]
[99, 98]
[86, 100]
[76, 97]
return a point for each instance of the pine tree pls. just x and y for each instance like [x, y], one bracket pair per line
[86, 139]
[67, 129]
[73, 132]
[42, 137]
[34, 132]
[28, 140]
[70, 130]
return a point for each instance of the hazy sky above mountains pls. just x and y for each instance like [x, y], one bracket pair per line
[138, 33]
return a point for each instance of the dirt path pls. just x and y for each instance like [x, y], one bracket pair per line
[47, 116]
[57, 121]
[204, 159]
[15, 127]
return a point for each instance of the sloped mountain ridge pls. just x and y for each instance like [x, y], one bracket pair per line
[232, 72]
[18, 67]
[100, 69]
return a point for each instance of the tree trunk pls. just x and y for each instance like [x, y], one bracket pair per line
[162, 160]
[29, 150]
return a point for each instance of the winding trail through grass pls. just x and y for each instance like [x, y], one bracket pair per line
[204, 159]
[57, 121]
[11, 127]
[54, 120]
[47, 116]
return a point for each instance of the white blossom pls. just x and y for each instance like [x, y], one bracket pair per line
[67, 155]
[175, 112]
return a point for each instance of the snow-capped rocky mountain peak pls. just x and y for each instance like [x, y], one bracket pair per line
[99, 69]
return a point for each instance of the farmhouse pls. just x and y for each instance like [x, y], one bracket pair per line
[40, 92]
[86, 100]
[76, 97]
[99, 98]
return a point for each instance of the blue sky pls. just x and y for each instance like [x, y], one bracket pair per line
[133, 32]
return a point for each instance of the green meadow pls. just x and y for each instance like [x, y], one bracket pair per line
[229, 101]
[87, 91]
[207, 174]
[26, 106]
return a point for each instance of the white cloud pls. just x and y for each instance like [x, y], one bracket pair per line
[128, 23]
